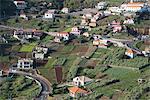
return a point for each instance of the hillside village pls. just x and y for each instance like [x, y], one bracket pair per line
[58, 50]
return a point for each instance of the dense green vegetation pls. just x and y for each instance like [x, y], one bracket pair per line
[7, 7]
[116, 57]
[59, 61]
[140, 92]
[57, 4]
[53, 25]
[112, 71]
[73, 69]
[108, 81]
[140, 45]
[79, 4]
[18, 87]
[60, 54]
[74, 4]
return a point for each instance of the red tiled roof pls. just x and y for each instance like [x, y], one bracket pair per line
[77, 90]
[130, 51]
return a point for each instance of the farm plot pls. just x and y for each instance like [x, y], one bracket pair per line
[116, 57]
[128, 78]
[59, 61]
[28, 47]
[117, 79]
[90, 51]
[67, 49]
[100, 52]
[80, 50]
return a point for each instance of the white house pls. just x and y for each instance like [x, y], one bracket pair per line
[20, 4]
[86, 34]
[49, 14]
[107, 13]
[39, 55]
[23, 15]
[89, 15]
[115, 9]
[62, 34]
[65, 10]
[133, 6]
[128, 21]
[25, 63]
[40, 52]
[75, 30]
[81, 80]
[20, 34]
[1, 73]
[101, 43]
[129, 53]
[57, 39]
[43, 49]
[101, 5]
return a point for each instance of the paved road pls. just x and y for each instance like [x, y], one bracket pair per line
[14, 28]
[84, 11]
[46, 85]
[127, 43]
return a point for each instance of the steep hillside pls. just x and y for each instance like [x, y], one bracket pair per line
[7, 7]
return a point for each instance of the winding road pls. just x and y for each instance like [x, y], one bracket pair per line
[125, 43]
[46, 85]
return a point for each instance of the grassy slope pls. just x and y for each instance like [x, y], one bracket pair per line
[11, 86]
[28, 47]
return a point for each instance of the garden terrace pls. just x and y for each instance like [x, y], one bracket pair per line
[18, 87]
[110, 80]
[116, 57]
[28, 47]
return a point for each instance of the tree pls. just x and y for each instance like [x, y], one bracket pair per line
[72, 4]
[7, 7]
[82, 39]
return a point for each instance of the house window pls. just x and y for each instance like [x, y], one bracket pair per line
[20, 63]
[26, 63]
[26, 66]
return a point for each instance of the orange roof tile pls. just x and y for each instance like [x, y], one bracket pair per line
[77, 90]
[63, 33]
[134, 6]
[130, 51]
[136, 3]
